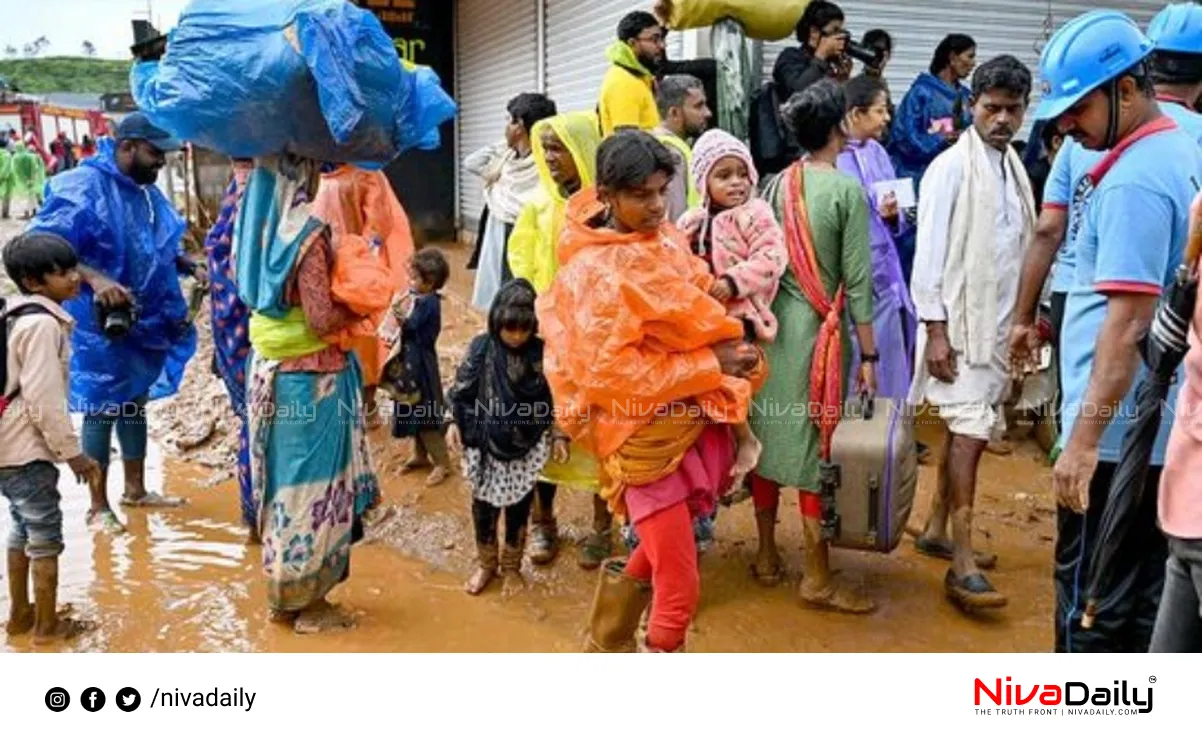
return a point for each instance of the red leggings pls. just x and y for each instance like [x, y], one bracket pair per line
[667, 557]
[765, 494]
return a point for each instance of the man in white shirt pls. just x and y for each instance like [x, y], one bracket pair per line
[976, 216]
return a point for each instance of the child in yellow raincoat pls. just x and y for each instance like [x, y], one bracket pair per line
[565, 152]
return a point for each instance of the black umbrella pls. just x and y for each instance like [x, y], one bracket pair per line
[1163, 349]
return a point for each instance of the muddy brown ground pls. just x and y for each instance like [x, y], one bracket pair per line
[183, 580]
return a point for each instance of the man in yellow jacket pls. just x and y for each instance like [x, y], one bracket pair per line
[685, 113]
[627, 92]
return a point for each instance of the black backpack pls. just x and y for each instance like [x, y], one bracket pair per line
[773, 147]
[6, 320]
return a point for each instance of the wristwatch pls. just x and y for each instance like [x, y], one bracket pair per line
[870, 358]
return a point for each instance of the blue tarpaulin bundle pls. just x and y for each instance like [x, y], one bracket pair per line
[317, 78]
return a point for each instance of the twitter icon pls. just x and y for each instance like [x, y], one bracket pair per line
[128, 699]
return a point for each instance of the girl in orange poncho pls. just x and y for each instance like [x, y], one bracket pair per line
[375, 245]
[642, 361]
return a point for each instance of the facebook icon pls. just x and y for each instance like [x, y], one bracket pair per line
[92, 699]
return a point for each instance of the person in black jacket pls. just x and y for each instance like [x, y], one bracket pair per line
[821, 54]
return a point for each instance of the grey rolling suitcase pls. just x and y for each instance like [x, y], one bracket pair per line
[874, 468]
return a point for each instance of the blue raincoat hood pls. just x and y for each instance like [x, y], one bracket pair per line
[131, 234]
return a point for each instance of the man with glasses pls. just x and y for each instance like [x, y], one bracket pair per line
[627, 93]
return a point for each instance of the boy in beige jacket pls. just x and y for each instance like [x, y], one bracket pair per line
[35, 430]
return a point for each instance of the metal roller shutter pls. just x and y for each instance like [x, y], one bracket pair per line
[1018, 27]
[578, 32]
[496, 58]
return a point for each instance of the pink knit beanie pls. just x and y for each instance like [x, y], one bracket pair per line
[712, 147]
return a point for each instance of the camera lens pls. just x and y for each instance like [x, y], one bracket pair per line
[869, 56]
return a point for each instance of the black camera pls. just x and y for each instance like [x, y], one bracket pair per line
[116, 322]
[869, 56]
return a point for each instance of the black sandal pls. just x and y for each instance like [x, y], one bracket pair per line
[973, 592]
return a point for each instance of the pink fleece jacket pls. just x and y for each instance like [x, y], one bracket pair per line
[747, 242]
[749, 249]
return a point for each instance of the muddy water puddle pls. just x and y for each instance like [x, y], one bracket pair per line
[184, 579]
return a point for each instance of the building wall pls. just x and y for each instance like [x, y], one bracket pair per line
[498, 56]
[1017, 27]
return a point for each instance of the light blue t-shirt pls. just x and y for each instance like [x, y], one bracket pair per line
[1132, 239]
[1070, 166]
[1072, 163]
[1188, 121]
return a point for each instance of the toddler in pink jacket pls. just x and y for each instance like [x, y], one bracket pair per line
[736, 233]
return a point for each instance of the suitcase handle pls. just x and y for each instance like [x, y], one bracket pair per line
[867, 406]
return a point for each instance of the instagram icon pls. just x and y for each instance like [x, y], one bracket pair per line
[57, 699]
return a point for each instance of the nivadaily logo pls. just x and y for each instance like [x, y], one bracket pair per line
[1072, 698]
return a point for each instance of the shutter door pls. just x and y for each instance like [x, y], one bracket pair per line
[496, 54]
[578, 32]
[1017, 27]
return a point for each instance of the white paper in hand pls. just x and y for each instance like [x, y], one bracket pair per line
[902, 190]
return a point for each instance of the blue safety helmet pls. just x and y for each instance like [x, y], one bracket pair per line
[1085, 54]
[1177, 28]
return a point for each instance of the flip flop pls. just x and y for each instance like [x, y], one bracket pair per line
[768, 580]
[973, 592]
[105, 521]
[941, 550]
[332, 618]
[152, 500]
[376, 517]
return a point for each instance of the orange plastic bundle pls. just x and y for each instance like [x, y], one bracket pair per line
[373, 246]
[629, 327]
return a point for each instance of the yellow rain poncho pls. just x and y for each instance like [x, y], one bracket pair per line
[532, 244]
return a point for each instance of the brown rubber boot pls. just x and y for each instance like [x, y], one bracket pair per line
[617, 608]
[544, 536]
[51, 624]
[486, 569]
[512, 582]
[21, 616]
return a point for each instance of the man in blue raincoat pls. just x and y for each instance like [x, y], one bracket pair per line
[132, 335]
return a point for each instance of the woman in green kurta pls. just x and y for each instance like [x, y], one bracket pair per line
[825, 215]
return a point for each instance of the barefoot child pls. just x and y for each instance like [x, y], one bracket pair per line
[35, 432]
[503, 417]
[420, 314]
[649, 373]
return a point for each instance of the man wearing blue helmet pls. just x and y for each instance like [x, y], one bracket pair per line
[1176, 62]
[1128, 222]
[1176, 71]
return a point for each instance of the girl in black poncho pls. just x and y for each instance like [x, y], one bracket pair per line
[502, 407]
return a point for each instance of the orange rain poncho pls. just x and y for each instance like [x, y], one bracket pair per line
[629, 327]
[373, 248]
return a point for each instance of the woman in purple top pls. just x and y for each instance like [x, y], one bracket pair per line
[895, 320]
